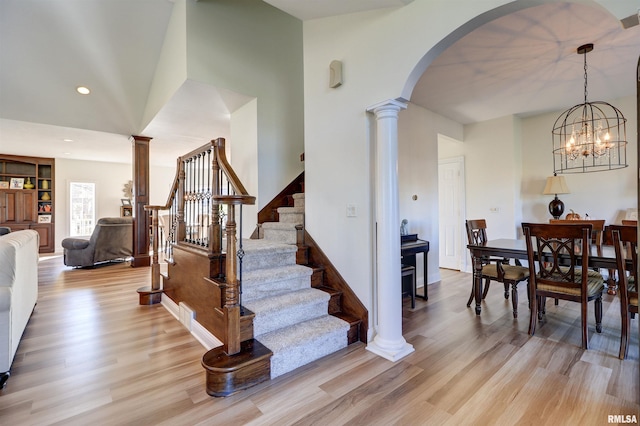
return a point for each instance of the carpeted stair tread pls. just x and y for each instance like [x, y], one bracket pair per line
[279, 226]
[297, 210]
[284, 232]
[304, 342]
[281, 311]
[298, 199]
[265, 254]
[262, 246]
[279, 273]
[264, 283]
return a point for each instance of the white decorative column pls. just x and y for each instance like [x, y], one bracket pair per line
[388, 341]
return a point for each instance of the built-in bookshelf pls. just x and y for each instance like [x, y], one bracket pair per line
[27, 196]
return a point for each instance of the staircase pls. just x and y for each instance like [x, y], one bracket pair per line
[292, 318]
[275, 301]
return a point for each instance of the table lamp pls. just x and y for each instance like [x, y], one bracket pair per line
[556, 185]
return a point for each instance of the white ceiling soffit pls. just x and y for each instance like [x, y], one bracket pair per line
[195, 114]
[314, 9]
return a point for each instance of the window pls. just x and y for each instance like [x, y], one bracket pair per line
[83, 208]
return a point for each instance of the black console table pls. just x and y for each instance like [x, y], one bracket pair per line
[410, 245]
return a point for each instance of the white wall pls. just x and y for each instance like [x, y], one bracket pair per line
[418, 131]
[244, 156]
[252, 48]
[492, 175]
[110, 179]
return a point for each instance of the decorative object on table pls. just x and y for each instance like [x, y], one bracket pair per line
[17, 183]
[128, 191]
[404, 227]
[591, 136]
[631, 214]
[125, 201]
[126, 211]
[556, 185]
[573, 215]
[28, 184]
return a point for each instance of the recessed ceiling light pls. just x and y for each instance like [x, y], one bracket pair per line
[83, 90]
[67, 140]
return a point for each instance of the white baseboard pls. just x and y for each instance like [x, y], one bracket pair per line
[202, 335]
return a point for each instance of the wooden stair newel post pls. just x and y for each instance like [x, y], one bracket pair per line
[232, 297]
[140, 199]
[150, 295]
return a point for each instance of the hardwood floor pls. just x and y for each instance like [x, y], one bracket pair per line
[92, 355]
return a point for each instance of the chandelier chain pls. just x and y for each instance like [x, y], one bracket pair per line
[585, 77]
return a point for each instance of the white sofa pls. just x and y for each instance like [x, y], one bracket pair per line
[18, 291]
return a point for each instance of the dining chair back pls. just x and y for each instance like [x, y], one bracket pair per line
[558, 251]
[629, 222]
[496, 269]
[625, 243]
[597, 230]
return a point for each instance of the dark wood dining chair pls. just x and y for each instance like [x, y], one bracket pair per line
[597, 231]
[597, 240]
[629, 222]
[625, 243]
[559, 275]
[495, 269]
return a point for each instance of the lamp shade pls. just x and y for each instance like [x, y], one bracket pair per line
[556, 185]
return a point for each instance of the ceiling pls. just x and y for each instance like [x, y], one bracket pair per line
[524, 63]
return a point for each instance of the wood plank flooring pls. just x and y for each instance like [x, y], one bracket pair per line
[92, 355]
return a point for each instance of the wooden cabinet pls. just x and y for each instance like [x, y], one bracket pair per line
[27, 197]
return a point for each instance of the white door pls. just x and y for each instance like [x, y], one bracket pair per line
[451, 201]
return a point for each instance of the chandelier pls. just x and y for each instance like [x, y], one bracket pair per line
[591, 136]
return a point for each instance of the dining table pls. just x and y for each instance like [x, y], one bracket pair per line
[517, 249]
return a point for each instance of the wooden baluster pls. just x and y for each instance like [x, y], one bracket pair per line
[182, 232]
[216, 244]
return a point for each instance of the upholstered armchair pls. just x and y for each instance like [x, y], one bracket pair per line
[112, 239]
